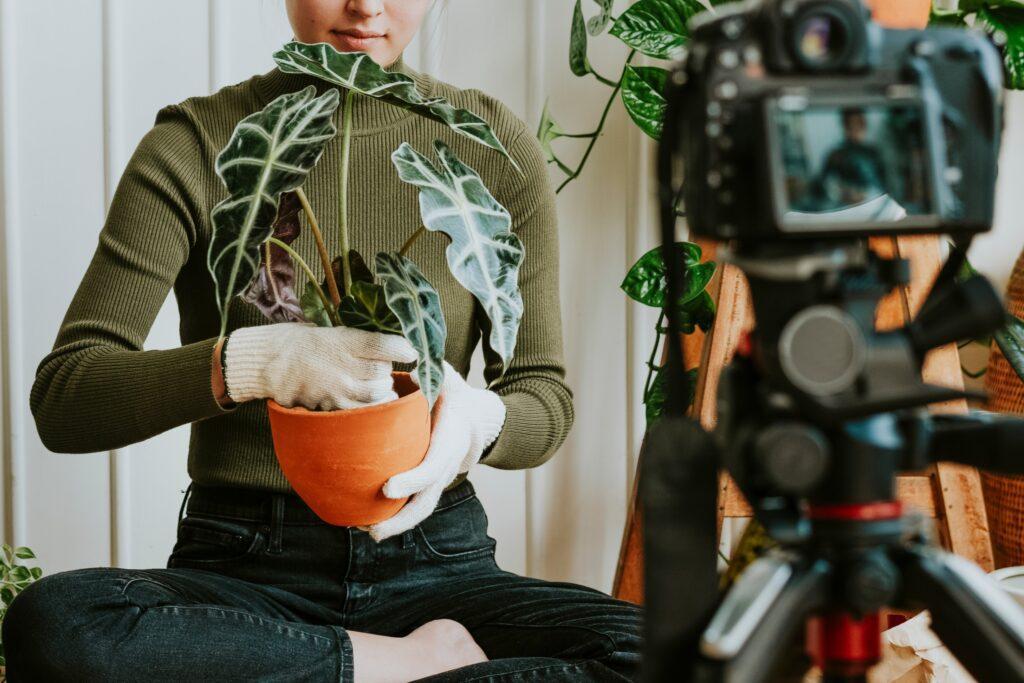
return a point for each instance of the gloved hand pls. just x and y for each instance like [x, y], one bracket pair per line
[320, 368]
[466, 420]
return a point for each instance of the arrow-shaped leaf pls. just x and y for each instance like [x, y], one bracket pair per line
[366, 308]
[273, 289]
[642, 88]
[270, 152]
[578, 62]
[418, 308]
[599, 22]
[358, 72]
[656, 28]
[484, 255]
[547, 131]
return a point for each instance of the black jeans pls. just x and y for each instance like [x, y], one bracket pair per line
[259, 588]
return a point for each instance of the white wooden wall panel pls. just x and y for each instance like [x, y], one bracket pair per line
[69, 121]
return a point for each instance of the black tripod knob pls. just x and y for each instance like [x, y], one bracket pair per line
[793, 456]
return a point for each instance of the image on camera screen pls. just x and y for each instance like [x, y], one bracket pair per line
[852, 164]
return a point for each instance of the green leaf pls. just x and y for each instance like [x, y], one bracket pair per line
[418, 307]
[20, 574]
[547, 131]
[701, 310]
[599, 22]
[313, 307]
[7, 595]
[36, 572]
[24, 553]
[654, 402]
[357, 266]
[366, 308]
[273, 289]
[578, 62]
[270, 152]
[1006, 24]
[657, 28]
[646, 280]
[1010, 340]
[642, 88]
[939, 17]
[484, 255]
[358, 72]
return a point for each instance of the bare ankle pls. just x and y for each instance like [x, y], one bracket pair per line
[448, 644]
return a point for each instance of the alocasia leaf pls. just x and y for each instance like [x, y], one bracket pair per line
[358, 72]
[657, 28]
[273, 289]
[418, 308]
[270, 152]
[484, 255]
[1006, 24]
[646, 280]
[366, 308]
[599, 22]
[578, 62]
[313, 307]
[360, 271]
[642, 95]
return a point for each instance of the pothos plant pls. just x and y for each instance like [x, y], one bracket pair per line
[14, 578]
[656, 29]
[267, 159]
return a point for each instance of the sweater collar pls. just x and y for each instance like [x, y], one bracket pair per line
[368, 113]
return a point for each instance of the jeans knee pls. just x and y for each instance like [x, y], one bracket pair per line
[48, 629]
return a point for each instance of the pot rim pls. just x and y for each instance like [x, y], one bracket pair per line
[301, 411]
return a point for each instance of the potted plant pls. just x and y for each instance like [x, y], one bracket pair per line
[14, 578]
[338, 460]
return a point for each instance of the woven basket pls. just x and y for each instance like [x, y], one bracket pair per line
[1004, 494]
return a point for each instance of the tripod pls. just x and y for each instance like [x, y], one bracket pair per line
[817, 414]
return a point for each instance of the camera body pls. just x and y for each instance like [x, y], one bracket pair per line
[804, 119]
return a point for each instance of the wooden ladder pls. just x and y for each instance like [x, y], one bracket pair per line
[951, 493]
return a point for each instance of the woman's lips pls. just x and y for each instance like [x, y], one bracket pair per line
[354, 42]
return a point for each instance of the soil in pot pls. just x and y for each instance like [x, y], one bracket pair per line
[338, 460]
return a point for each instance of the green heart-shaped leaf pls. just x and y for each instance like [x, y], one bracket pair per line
[1010, 340]
[547, 131]
[657, 393]
[417, 306]
[1006, 24]
[358, 72]
[599, 22]
[270, 152]
[273, 289]
[642, 88]
[578, 62]
[366, 308]
[313, 307]
[484, 255]
[646, 280]
[656, 28]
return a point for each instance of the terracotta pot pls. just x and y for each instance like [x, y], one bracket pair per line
[900, 13]
[338, 460]
[1004, 493]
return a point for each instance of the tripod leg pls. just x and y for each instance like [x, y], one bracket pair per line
[976, 620]
[760, 617]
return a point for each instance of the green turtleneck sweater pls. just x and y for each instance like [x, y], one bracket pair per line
[99, 390]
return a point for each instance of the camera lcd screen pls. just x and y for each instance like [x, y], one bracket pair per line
[844, 164]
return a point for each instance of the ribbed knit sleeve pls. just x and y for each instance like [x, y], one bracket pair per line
[538, 401]
[97, 389]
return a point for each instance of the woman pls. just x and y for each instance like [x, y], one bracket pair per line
[257, 587]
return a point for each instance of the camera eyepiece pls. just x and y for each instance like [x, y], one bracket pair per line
[825, 36]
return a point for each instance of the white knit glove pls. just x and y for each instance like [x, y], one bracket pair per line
[466, 420]
[320, 368]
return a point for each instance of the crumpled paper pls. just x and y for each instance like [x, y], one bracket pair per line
[912, 653]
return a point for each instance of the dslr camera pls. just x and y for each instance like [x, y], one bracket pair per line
[805, 119]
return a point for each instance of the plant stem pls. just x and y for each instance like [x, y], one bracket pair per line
[312, 278]
[346, 270]
[321, 247]
[600, 126]
[650, 361]
[412, 240]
